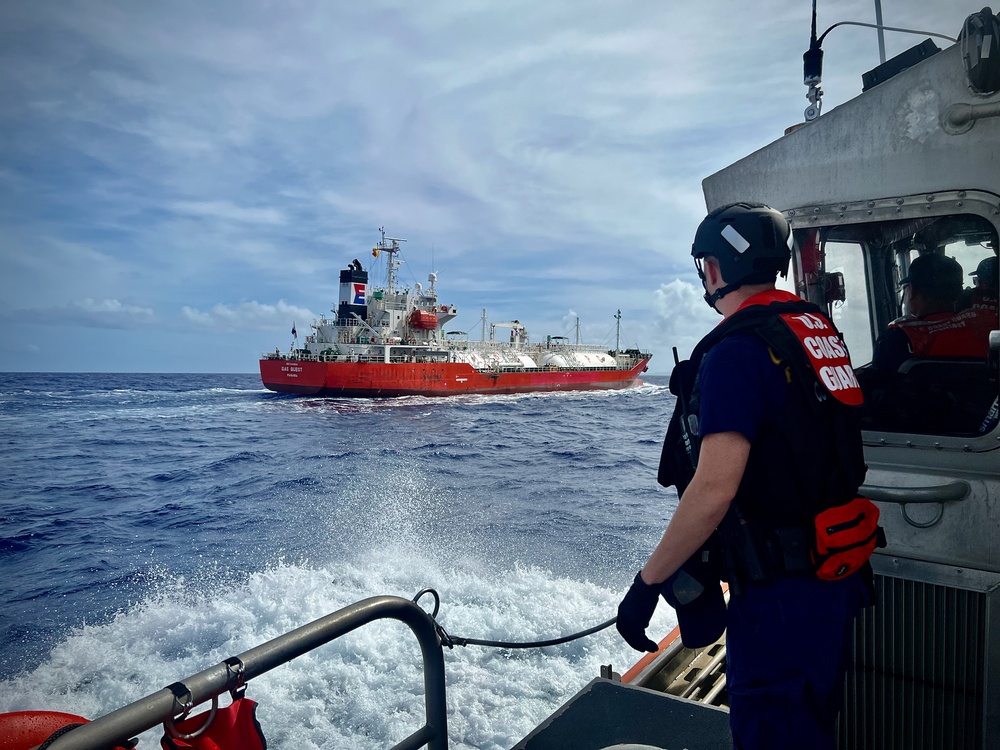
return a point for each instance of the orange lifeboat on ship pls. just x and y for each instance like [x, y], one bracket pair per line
[422, 320]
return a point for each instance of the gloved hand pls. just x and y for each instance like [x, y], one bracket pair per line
[635, 612]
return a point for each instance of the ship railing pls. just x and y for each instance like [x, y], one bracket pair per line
[573, 347]
[547, 368]
[413, 356]
[118, 727]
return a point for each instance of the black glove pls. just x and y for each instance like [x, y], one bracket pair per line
[634, 614]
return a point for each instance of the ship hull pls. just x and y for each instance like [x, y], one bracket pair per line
[376, 379]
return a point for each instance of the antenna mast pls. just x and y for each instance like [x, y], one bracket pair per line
[618, 331]
[812, 72]
[881, 31]
[390, 245]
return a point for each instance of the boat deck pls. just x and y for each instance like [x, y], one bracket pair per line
[607, 713]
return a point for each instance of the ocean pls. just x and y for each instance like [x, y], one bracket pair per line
[153, 525]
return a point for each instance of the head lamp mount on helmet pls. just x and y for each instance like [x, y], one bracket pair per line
[751, 242]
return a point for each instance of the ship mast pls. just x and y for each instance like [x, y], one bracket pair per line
[390, 245]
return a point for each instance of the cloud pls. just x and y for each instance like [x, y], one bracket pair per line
[169, 155]
[681, 316]
[249, 316]
[86, 313]
[226, 211]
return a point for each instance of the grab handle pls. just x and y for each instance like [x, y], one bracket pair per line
[951, 492]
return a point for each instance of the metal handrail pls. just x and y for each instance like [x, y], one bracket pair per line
[126, 722]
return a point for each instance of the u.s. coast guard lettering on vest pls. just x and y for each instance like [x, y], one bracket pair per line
[827, 355]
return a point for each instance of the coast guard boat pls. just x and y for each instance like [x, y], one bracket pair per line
[909, 166]
[392, 342]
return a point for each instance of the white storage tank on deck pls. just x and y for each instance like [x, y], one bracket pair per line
[554, 360]
[528, 362]
[593, 359]
[474, 358]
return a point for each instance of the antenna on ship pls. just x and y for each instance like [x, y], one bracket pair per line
[618, 331]
[389, 245]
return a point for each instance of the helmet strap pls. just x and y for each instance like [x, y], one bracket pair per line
[712, 300]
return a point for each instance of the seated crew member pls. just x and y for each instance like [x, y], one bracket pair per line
[984, 292]
[932, 328]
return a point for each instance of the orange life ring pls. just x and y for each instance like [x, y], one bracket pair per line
[23, 730]
[26, 730]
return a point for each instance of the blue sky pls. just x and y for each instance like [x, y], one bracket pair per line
[180, 182]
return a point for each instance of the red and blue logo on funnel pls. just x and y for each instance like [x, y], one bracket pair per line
[359, 294]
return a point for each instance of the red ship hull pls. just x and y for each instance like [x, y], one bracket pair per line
[375, 379]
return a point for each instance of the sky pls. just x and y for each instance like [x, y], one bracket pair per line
[182, 182]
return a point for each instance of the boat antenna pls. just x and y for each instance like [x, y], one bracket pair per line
[881, 31]
[812, 72]
[812, 60]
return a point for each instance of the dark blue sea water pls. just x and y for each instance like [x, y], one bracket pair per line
[153, 525]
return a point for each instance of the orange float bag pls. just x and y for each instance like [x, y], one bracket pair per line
[234, 727]
[846, 537]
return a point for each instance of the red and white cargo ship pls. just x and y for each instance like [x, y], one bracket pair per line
[390, 342]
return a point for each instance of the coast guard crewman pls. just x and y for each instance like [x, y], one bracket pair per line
[986, 291]
[932, 328]
[763, 438]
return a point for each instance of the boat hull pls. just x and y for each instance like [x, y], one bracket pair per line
[376, 379]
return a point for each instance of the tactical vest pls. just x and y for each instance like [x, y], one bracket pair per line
[806, 458]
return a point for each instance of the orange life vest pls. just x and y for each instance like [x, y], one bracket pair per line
[961, 334]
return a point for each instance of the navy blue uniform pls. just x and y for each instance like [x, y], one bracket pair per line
[788, 640]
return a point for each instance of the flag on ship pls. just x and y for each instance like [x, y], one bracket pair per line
[375, 252]
[295, 334]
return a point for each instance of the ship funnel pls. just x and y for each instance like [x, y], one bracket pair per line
[353, 294]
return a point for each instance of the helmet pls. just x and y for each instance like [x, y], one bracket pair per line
[751, 241]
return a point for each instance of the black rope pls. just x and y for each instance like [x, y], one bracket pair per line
[451, 640]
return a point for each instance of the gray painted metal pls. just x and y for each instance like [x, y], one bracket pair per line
[154, 709]
[889, 141]
[606, 713]
[925, 657]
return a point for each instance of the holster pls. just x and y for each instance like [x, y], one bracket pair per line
[751, 554]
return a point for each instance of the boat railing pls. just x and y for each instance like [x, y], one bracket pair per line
[117, 727]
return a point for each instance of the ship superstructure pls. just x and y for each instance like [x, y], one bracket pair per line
[392, 342]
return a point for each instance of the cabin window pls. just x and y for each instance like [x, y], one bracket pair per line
[920, 352]
[851, 315]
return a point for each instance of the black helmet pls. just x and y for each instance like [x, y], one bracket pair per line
[751, 241]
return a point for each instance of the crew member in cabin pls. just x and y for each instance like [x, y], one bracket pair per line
[985, 293]
[763, 447]
[932, 328]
